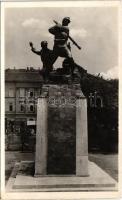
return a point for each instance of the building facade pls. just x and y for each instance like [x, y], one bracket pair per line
[22, 90]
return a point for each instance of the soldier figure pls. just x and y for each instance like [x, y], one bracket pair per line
[46, 58]
[61, 47]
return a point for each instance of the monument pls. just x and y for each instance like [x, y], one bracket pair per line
[61, 154]
[63, 90]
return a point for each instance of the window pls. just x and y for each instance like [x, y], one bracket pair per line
[11, 92]
[10, 107]
[22, 92]
[11, 126]
[31, 93]
[22, 108]
[31, 108]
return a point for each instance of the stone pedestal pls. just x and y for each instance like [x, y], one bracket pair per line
[41, 138]
[81, 137]
[62, 123]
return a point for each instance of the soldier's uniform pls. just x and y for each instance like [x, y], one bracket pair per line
[46, 56]
[61, 34]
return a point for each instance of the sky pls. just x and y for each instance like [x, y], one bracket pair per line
[95, 29]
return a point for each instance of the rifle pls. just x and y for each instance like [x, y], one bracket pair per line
[70, 38]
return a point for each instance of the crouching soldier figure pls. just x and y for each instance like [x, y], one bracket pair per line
[46, 56]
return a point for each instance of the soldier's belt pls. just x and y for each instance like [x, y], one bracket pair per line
[60, 39]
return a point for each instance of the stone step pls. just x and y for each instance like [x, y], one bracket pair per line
[98, 180]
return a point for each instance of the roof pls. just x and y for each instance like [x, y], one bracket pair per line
[27, 76]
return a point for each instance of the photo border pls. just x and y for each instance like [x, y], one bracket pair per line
[57, 195]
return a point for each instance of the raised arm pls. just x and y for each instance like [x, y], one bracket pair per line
[33, 49]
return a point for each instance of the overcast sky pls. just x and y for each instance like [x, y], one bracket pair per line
[95, 29]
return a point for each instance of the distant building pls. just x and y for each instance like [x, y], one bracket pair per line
[22, 89]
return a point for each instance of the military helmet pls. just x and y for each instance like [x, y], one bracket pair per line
[43, 43]
[66, 19]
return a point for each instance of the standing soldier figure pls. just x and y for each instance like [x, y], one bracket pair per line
[61, 47]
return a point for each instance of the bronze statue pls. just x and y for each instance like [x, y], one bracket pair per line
[70, 38]
[61, 33]
[46, 57]
[61, 46]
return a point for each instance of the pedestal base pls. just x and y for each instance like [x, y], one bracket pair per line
[61, 135]
[98, 180]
